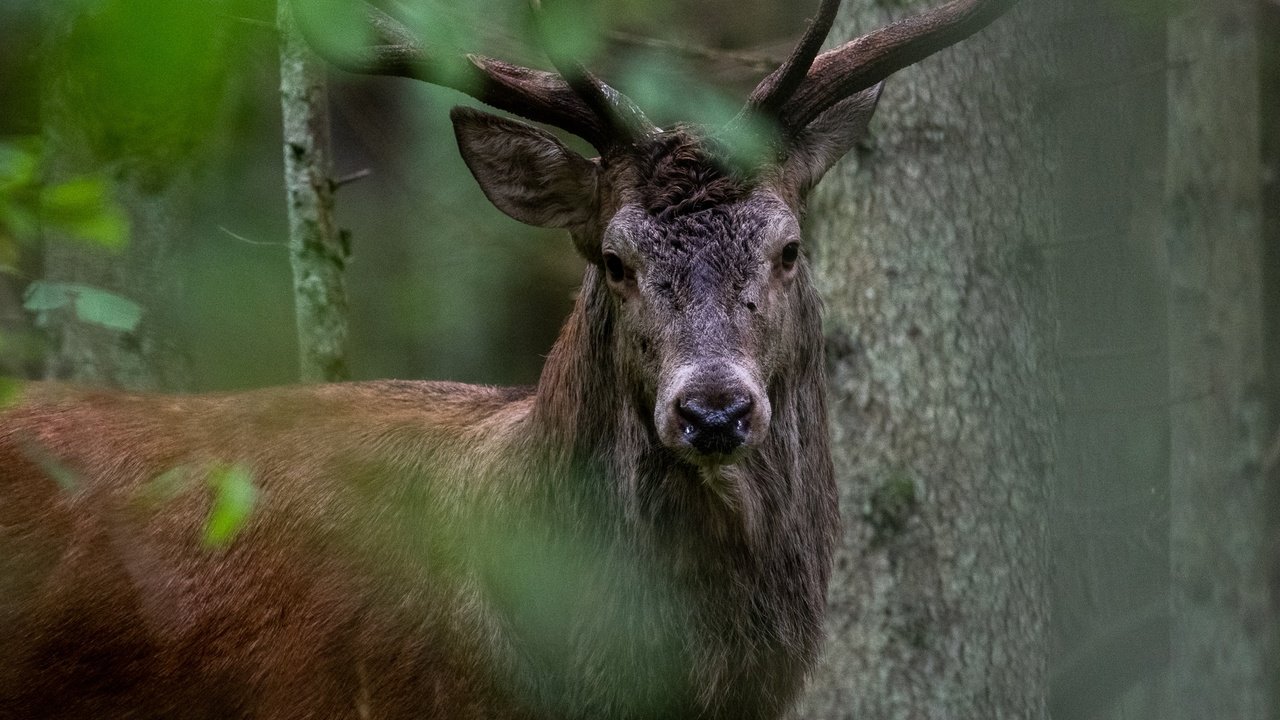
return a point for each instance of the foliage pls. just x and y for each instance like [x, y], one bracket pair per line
[80, 208]
[92, 305]
[10, 391]
[234, 496]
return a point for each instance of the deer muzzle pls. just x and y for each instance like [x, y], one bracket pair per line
[712, 414]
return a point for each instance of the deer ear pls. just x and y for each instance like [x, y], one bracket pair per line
[526, 172]
[825, 140]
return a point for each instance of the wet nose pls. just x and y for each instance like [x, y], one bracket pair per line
[715, 424]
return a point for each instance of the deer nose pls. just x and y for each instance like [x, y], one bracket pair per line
[715, 424]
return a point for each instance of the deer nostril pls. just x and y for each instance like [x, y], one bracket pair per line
[717, 424]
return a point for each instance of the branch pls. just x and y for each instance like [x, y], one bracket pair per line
[751, 61]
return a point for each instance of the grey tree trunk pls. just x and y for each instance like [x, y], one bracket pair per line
[119, 353]
[939, 335]
[1223, 637]
[317, 249]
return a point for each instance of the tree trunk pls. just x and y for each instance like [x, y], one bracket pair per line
[939, 334]
[1222, 632]
[317, 249]
[115, 351]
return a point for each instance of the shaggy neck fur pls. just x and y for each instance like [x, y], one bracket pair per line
[706, 585]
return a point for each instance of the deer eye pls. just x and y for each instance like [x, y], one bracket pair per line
[614, 267]
[787, 258]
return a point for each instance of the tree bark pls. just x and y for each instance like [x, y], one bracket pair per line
[939, 334]
[1223, 638]
[317, 249]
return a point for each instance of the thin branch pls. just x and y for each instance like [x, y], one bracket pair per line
[250, 241]
[255, 23]
[752, 61]
[350, 178]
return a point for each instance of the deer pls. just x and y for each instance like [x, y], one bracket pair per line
[646, 532]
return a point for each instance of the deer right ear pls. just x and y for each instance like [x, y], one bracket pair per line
[526, 172]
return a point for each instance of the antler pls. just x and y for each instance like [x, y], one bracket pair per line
[781, 84]
[623, 118]
[861, 63]
[574, 101]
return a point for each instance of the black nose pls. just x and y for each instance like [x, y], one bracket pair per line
[715, 424]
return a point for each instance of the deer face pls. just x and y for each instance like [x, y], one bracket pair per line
[705, 271]
[703, 305]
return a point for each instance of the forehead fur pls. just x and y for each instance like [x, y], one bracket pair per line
[681, 176]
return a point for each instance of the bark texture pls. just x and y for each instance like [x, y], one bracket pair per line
[317, 248]
[939, 332]
[145, 357]
[1222, 633]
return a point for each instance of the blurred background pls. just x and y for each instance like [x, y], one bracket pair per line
[134, 124]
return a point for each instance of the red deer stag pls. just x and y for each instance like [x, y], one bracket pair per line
[646, 533]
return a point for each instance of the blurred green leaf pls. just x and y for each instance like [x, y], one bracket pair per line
[10, 391]
[164, 487]
[19, 194]
[83, 209]
[571, 28]
[64, 477]
[107, 309]
[140, 80]
[91, 305]
[672, 90]
[340, 26]
[19, 165]
[234, 497]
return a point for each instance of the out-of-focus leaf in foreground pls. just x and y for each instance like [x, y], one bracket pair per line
[81, 208]
[10, 391]
[234, 497]
[668, 89]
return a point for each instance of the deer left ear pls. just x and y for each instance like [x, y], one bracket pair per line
[831, 135]
[526, 172]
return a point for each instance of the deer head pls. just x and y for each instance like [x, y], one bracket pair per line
[700, 254]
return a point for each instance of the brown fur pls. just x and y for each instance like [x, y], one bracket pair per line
[436, 550]
[392, 515]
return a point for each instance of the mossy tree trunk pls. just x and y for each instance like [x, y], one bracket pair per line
[317, 248]
[939, 335]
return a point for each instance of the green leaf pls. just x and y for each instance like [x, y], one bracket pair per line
[44, 296]
[91, 304]
[234, 496]
[163, 488]
[19, 165]
[83, 209]
[107, 309]
[340, 26]
[571, 29]
[10, 391]
[671, 90]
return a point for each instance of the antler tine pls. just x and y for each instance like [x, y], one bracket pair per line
[861, 63]
[778, 87]
[532, 94]
[623, 117]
